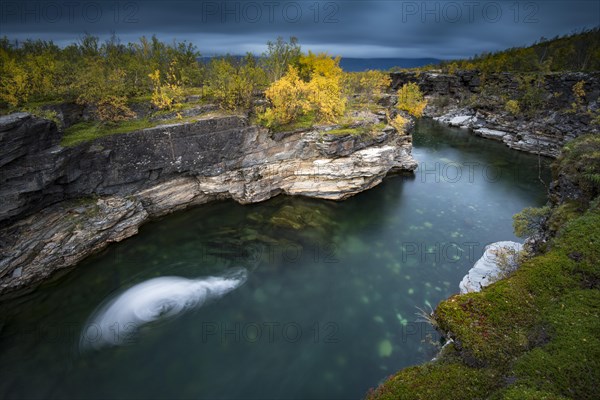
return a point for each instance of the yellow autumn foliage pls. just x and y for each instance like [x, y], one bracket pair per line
[14, 87]
[288, 99]
[325, 98]
[168, 93]
[411, 100]
[314, 87]
[399, 123]
[373, 84]
[579, 95]
[112, 108]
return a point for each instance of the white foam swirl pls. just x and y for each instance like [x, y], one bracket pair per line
[114, 322]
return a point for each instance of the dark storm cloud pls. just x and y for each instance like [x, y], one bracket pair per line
[444, 29]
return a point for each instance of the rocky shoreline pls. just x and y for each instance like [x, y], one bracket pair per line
[61, 205]
[474, 101]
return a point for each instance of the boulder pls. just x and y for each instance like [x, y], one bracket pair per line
[486, 269]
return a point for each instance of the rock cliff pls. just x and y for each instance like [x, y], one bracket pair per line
[61, 204]
[476, 101]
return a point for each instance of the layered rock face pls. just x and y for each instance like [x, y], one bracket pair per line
[470, 100]
[133, 177]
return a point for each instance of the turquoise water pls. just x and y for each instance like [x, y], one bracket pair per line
[328, 305]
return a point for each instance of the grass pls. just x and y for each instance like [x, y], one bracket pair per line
[535, 335]
[86, 131]
[305, 121]
[357, 131]
[145, 98]
[357, 105]
[33, 107]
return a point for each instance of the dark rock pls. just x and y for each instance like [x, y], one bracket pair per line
[152, 172]
[343, 145]
[545, 131]
[67, 113]
[575, 256]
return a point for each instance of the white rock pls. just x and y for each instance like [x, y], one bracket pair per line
[460, 120]
[491, 133]
[486, 268]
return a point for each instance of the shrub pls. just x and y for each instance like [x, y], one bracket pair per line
[399, 123]
[530, 221]
[369, 86]
[14, 88]
[513, 107]
[325, 98]
[168, 92]
[532, 93]
[324, 86]
[113, 109]
[314, 88]
[411, 100]
[579, 96]
[288, 99]
[232, 83]
[508, 261]
[580, 160]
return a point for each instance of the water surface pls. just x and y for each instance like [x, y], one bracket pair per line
[328, 306]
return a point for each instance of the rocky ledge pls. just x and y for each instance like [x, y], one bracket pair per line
[60, 205]
[478, 102]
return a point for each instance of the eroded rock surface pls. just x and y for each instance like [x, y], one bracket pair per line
[487, 269]
[153, 172]
[475, 101]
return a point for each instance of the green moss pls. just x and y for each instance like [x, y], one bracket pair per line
[580, 163]
[493, 328]
[525, 393]
[86, 131]
[438, 381]
[582, 235]
[563, 213]
[580, 242]
[569, 364]
[540, 328]
[347, 131]
[305, 121]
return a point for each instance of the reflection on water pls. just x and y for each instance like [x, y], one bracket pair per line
[328, 306]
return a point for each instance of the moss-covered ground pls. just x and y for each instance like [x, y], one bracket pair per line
[534, 335]
[90, 130]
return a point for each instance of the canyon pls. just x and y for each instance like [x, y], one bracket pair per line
[61, 204]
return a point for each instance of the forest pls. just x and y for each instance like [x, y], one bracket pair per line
[110, 76]
[575, 52]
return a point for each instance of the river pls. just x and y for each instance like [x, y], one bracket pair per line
[290, 298]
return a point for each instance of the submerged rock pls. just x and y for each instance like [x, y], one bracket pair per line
[486, 269]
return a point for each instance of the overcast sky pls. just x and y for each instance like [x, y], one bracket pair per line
[359, 28]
